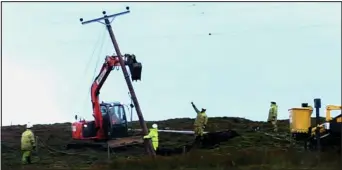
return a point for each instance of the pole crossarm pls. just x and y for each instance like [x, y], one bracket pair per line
[105, 17]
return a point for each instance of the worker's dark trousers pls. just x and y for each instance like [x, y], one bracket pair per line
[26, 158]
[198, 140]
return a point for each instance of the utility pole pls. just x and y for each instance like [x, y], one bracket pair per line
[148, 144]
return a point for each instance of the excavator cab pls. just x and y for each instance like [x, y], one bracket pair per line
[114, 120]
[114, 123]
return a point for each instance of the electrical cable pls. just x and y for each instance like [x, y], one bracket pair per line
[96, 66]
[217, 33]
[88, 63]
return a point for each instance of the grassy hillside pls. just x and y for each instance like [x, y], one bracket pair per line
[252, 150]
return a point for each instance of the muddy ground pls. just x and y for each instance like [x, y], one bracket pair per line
[252, 150]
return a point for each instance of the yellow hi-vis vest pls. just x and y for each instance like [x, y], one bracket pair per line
[201, 119]
[153, 135]
[27, 140]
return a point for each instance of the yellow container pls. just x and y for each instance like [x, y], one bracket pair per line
[300, 119]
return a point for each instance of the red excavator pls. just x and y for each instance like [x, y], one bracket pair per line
[110, 121]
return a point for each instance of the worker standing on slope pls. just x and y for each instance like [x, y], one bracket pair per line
[200, 123]
[153, 135]
[272, 116]
[27, 144]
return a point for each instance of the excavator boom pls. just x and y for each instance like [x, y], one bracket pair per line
[107, 67]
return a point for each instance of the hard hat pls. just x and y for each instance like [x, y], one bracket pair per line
[155, 126]
[29, 125]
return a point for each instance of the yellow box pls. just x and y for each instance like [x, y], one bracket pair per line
[300, 119]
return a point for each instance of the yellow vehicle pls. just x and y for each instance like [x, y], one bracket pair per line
[300, 121]
[327, 125]
[302, 130]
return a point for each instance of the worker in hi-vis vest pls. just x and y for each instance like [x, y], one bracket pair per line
[272, 116]
[200, 122]
[153, 135]
[28, 144]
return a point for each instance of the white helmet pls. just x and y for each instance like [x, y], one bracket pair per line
[155, 126]
[29, 125]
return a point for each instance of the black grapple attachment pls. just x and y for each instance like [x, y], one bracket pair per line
[134, 66]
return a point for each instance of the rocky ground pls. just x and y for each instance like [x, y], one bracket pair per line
[252, 150]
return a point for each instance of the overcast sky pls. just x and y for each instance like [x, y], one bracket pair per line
[257, 52]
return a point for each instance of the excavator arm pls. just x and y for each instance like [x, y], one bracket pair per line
[110, 62]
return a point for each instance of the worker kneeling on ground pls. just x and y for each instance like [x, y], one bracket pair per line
[27, 144]
[153, 135]
[200, 123]
[272, 116]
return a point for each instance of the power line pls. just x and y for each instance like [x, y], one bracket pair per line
[94, 72]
